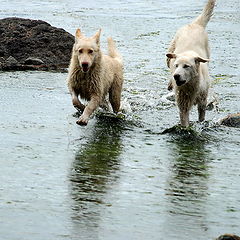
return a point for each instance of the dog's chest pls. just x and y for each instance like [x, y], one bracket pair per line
[84, 89]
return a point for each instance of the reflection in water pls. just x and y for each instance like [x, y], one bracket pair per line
[93, 172]
[187, 185]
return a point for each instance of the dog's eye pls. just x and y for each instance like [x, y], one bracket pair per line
[186, 66]
[80, 51]
[90, 51]
[176, 65]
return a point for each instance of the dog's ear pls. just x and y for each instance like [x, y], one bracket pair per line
[97, 36]
[199, 59]
[78, 34]
[171, 55]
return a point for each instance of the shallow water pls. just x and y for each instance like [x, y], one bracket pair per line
[120, 179]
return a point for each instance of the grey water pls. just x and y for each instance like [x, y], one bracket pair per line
[120, 179]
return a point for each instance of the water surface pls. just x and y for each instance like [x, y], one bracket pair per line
[120, 179]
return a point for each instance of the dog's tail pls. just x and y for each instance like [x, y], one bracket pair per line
[206, 14]
[112, 50]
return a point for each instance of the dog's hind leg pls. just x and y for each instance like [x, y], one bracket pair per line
[105, 105]
[115, 95]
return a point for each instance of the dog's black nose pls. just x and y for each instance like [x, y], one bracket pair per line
[178, 80]
[177, 77]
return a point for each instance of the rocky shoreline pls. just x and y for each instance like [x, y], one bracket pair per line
[27, 44]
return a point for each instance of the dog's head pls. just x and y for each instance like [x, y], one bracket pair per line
[86, 49]
[185, 66]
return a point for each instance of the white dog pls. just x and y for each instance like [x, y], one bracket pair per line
[188, 57]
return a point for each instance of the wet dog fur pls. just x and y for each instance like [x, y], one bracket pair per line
[187, 58]
[93, 76]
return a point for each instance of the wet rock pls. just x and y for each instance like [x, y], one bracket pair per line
[34, 44]
[228, 237]
[232, 120]
[33, 61]
[10, 63]
[2, 62]
[180, 130]
[110, 117]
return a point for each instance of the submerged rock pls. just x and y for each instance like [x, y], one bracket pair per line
[182, 131]
[33, 44]
[231, 120]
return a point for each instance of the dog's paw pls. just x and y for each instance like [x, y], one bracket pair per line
[78, 105]
[82, 121]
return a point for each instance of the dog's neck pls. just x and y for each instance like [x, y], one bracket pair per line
[189, 90]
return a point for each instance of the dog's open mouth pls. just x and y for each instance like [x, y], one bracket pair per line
[85, 67]
[180, 83]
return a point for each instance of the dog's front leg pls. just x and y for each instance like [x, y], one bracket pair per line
[75, 101]
[201, 111]
[89, 109]
[184, 117]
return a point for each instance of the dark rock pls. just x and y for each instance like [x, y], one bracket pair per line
[231, 120]
[228, 237]
[2, 60]
[11, 61]
[49, 48]
[9, 64]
